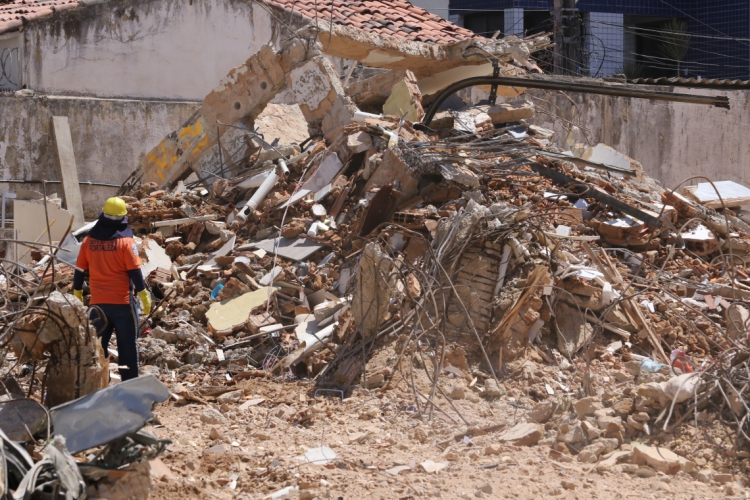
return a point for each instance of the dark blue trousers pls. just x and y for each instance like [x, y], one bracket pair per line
[123, 319]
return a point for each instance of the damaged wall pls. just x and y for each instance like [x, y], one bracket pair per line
[673, 141]
[175, 49]
[108, 138]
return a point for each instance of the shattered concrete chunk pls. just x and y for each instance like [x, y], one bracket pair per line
[230, 315]
[373, 290]
[523, 435]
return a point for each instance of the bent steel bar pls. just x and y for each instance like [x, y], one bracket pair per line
[718, 101]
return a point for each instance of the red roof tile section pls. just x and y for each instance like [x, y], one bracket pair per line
[387, 17]
[13, 13]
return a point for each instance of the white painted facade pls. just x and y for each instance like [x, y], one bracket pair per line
[173, 49]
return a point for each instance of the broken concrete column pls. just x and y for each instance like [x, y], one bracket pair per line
[318, 91]
[507, 112]
[572, 329]
[241, 96]
[373, 292]
[405, 100]
[77, 366]
[244, 93]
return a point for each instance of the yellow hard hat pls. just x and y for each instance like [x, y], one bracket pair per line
[115, 207]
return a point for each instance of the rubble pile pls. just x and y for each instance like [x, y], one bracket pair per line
[467, 255]
[423, 265]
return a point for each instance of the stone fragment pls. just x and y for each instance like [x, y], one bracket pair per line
[591, 431]
[612, 460]
[486, 488]
[641, 416]
[623, 407]
[457, 392]
[231, 315]
[161, 333]
[405, 100]
[723, 478]
[492, 389]
[523, 435]
[493, 449]
[568, 485]
[587, 406]
[572, 329]
[645, 472]
[542, 412]
[218, 449]
[212, 417]
[591, 452]
[661, 459]
[629, 468]
[230, 397]
[610, 444]
[636, 425]
[571, 433]
[704, 475]
[373, 292]
[508, 112]
[633, 367]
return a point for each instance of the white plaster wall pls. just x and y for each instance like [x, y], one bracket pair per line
[109, 138]
[171, 49]
[437, 7]
[673, 141]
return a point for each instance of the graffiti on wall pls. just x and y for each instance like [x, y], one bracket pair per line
[10, 68]
[160, 160]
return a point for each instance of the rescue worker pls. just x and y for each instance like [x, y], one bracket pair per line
[111, 257]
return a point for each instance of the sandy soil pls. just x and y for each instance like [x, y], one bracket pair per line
[370, 434]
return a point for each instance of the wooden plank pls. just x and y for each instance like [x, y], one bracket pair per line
[630, 307]
[68, 170]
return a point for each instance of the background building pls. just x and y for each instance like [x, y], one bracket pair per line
[641, 38]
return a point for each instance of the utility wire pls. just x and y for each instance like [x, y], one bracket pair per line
[695, 19]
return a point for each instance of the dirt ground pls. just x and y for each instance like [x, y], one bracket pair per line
[253, 452]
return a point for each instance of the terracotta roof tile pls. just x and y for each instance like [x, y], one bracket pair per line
[16, 10]
[387, 17]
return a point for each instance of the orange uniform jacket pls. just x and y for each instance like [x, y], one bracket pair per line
[108, 263]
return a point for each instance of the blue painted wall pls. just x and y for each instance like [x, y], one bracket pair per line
[715, 26]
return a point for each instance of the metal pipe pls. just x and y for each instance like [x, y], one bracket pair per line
[255, 180]
[258, 196]
[84, 183]
[282, 166]
[587, 88]
[177, 222]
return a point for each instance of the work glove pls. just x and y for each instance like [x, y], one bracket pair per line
[79, 295]
[146, 301]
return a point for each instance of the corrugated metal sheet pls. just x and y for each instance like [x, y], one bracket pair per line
[711, 83]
